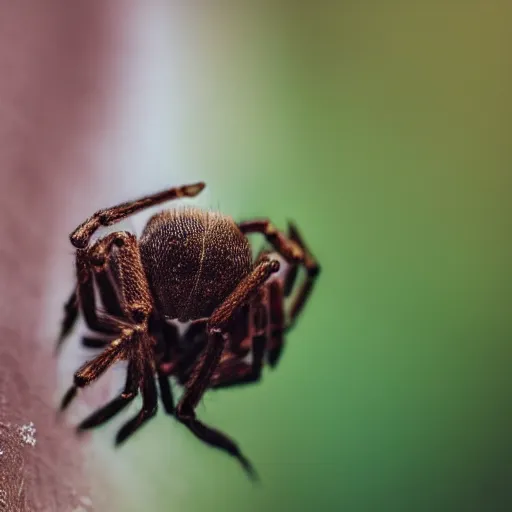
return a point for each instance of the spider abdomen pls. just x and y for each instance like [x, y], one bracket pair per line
[193, 260]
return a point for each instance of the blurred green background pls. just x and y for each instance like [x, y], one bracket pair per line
[384, 130]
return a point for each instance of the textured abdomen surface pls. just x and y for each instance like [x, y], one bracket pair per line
[193, 260]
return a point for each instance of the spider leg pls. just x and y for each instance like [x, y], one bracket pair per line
[109, 410]
[217, 439]
[109, 300]
[289, 279]
[186, 415]
[178, 363]
[102, 258]
[196, 338]
[167, 365]
[232, 371]
[80, 239]
[135, 343]
[94, 321]
[312, 269]
[70, 318]
[166, 393]
[105, 285]
[95, 343]
[149, 404]
[276, 322]
[106, 217]
[290, 273]
[218, 325]
[218, 339]
[286, 247]
[93, 264]
[240, 331]
[90, 262]
[91, 370]
[290, 276]
[137, 305]
[294, 251]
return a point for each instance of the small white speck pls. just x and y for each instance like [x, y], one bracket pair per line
[28, 433]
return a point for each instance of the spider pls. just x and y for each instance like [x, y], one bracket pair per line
[190, 266]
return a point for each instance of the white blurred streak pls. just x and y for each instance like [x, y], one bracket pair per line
[154, 103]
[139, 152]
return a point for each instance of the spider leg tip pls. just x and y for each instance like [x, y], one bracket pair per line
[121, 437]
[292, 226]
[251, 471]
[83, 426]
[68, 398]
[196, 188]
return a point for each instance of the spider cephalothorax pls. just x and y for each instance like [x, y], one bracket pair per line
[188, 266]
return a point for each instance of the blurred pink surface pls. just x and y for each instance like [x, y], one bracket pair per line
[56, 82]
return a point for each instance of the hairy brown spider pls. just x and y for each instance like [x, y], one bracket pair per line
[188, 266]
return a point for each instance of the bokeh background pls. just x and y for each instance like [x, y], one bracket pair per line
[383, 130]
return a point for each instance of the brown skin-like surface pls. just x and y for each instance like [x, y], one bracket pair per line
[55, 61]
[188, 265]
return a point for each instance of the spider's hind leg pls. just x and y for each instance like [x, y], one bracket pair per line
[109, 410]
[276, 322]
[233, 370]
[282, 320]
[312, 271]
[293, 249]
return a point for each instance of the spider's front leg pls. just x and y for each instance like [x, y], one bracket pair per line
[83, 295]
[134, 344]
[82, 235]
[93, 268]
[80, 239]
[218, 339]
